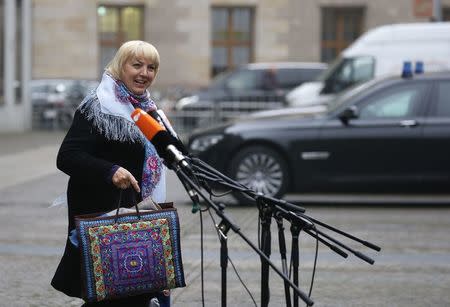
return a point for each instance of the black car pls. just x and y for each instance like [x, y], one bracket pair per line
[387, 135]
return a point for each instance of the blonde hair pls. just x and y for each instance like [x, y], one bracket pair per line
[129, 50]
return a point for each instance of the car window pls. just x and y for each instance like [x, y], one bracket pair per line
[291, 77]
[244, 80]
[443, 99]
[39, 89]
[396, 102]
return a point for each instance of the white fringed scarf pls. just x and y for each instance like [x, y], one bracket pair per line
[109, 108]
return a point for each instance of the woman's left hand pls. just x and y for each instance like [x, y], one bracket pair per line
[123, 179]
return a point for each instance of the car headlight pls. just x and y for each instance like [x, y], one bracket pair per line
[204, 142]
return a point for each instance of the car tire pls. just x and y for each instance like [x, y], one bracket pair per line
[261, 169]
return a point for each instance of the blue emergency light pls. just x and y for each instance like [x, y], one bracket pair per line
[407, 69]
[419, 67]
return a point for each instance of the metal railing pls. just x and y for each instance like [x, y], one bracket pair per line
[59, 117]
[52, 117]
[186, 120]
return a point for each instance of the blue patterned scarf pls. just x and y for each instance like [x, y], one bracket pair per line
[151, 172]
[109, 108]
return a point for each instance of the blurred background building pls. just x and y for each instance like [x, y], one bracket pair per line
[197, 39]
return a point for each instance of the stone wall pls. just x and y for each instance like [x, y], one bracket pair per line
[64, 39]
[65, 33]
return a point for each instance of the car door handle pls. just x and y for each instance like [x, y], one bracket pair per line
[409, 123]
[315, 155]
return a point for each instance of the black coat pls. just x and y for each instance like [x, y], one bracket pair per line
[87, 156]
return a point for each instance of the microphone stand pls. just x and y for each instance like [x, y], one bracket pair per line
[295, 255]
[236, 229]
[223, 228]
[265, 215]
[282, 246]
[295, 214]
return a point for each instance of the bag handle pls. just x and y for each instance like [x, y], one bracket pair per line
[118, 206]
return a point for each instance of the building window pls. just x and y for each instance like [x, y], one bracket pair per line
[446, 14]
[18, 68]
[232, 37]
[340, 27]
[2, 53]
[118, 24]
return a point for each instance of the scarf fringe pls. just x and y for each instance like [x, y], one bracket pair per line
[114, 128]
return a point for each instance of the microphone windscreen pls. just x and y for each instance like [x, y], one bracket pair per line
[160, 141]
[148, 126]
[166, 122]
[161, 117]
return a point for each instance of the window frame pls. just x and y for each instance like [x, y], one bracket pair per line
[116, 43]
[229, 43]
[446, 13]
[2, 54]
[339, 42]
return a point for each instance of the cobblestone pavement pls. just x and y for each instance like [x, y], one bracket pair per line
[413, 268]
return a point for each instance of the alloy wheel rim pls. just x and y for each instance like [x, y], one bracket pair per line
[261, 173]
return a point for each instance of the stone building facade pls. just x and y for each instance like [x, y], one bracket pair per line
[66, 40]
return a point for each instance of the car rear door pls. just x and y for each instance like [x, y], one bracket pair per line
[436, 156]
[381, 148]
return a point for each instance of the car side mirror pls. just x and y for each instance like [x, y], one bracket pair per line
[348, 114]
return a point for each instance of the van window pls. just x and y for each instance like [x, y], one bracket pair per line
[347, 72]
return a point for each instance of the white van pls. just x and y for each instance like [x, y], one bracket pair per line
[378, 52]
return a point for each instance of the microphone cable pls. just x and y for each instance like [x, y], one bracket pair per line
[207, 209]
[316, 254]
[313, 275]
[231, 262]
[244, 189]
[201, 258]
[211, 192]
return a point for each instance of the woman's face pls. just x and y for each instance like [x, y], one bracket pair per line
[138, 74]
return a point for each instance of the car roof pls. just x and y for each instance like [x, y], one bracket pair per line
[271, 65]
[434, 75]
[423, 76]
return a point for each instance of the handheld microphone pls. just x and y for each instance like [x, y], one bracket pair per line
[166, 122]
[164, 145]
[164, 142]
[161, 117]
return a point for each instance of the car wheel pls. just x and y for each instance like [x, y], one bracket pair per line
[262, 170]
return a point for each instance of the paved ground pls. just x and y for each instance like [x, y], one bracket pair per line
[413, 268]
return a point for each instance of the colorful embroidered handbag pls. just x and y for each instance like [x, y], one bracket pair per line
[130, 254]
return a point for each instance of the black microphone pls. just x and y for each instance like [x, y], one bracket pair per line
[161, 117]
[165, 145]
[164, 142]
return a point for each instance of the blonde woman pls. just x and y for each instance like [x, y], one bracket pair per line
[104, 151]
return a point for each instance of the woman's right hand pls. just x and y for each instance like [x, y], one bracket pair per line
[123, 179]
